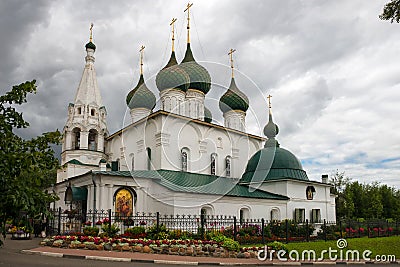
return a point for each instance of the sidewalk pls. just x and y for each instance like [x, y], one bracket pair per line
[32, 247]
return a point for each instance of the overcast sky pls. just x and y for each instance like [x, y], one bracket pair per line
[332, 68]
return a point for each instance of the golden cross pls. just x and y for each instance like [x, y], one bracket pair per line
[141, 59]
[91, 31]
[173, 33]
[231, 58]
[188, 21]
[269, 101]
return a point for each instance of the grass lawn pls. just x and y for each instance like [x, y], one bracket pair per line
[378, 246]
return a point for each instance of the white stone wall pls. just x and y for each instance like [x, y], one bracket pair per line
[166, 135]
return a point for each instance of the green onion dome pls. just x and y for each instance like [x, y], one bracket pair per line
[90, 45]
[233, 99]
[200, 79]
[141, 96]
[271, 129]
[207, 115]
[172, 76]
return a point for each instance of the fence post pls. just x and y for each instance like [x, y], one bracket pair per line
[202, 221]
[307, 231]
[262, 231]
[234, 227]
[158, 221]
[59, 221]
[109, 222]
[325, 230]
[287, 230]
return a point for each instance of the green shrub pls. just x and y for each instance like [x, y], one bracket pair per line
[231, 244]
[136, 230]
[218, 237]
[278, 246]
[111, 231]
[91, 231]
[160, 233]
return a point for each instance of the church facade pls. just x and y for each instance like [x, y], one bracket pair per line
[176, 160]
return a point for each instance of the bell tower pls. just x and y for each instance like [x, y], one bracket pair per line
[86, 127]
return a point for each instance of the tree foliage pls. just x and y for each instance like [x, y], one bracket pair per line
[27, 166]
[355, 200]
[391, 11]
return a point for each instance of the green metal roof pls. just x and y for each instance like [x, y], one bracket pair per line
[197, 183]
[272, 163]
[75, 193]
[207, 115]
[77, 162]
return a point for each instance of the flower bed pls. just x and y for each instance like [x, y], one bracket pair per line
[172, 247]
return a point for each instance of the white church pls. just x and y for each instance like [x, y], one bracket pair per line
[175, 160]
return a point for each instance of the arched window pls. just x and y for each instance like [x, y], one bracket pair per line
[244, 214]
[92, 112]
[92, 140]
[184, 159]
[275, 216]
[228, 162]
[213, 164]
[76, 138]
[124, 202]
[148, 150]
[133, 162]
[79, 111]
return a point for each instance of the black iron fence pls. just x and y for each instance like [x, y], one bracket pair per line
[247, 231]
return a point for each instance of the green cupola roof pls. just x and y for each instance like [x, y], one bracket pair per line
[233, 99]
[141, 96]
[172, 76]
[90, 45]
[273, 162]
[200, 79]
[207, 115]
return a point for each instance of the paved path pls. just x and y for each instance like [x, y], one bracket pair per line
[32, 247]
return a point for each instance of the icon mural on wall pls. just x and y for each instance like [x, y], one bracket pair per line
[310, 191]
[124, 203]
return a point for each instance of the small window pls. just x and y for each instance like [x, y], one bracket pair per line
[300, 215]
[148, 158]
[79, 111]
[133, 163]
[315, 215]
[115, 165]
[184, 161]
[244, 214]
[228, 166]
[92, 112]
[213, 164]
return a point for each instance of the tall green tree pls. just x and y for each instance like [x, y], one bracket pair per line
[339, 182]
[27, 166]
[391, 11]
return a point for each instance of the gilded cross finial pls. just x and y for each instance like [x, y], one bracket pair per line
[91, 32]
[188, 21]
[173, 33]
[269, 101]
[141, 58]
[231, 59]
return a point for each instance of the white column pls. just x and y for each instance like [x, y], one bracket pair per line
[90, 197]
[110, 199]
[84, 140]
[100, 197]
[68, 141]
